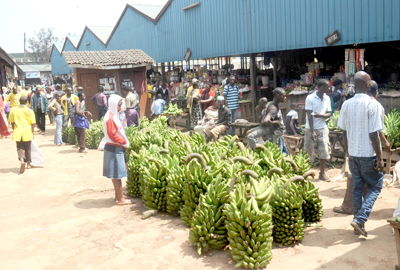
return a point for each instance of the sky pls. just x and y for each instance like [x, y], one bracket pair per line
[65, 17]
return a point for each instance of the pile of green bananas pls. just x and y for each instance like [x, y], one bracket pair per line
[333, 121]
[249, 224]
[173, 109]
[392, 128]
[312, 206]
[287, 202]
[175, 183]
[303, 162]
[154, 185]
[208, 224]
[71, 135]
[94, 135]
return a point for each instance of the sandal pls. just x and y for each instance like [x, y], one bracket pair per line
[22, 168]
[339, 209]
[324, 178]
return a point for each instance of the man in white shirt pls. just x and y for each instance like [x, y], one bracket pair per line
[361, 120]
[318, 108]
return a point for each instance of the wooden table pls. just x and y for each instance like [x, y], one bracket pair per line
[174, 118]
[336, 137]
[297, 141]
[396, 226]
[245, 108]
[244, 126]
[388, 156]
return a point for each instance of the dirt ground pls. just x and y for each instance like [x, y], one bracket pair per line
[62, 216]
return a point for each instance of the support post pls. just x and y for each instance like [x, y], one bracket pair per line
[274, 63]
[253, 83]
[164, 79]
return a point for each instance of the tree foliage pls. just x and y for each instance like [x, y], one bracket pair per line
[39, 47]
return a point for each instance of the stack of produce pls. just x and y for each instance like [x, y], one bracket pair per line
[392, 128]
[175, 182]
[302, 161]
[312, 204]
[287, 202]
[94, 135]
[154, 185]
[249, 224]
[208, 224]
[173, 109]
[333, 121]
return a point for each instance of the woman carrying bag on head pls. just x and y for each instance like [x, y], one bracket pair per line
[114, 150]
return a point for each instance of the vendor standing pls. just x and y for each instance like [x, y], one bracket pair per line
[163, 91]
[131, 103]
[337, 94]
[231, 95]
[100, 101]
[207, 97]
[316, 134]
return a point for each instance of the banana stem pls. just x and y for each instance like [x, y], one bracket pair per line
[295, 179]
[260, 146]
[288, 160]
[250, 173]
[133, 154]
[164, 151]
[199, 157]
[242, 160]
[149, 213]
[188, 147]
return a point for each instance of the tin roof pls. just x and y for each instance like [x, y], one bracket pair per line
[74, 39]
[149, 10]
[39, 67]
[59, 46]
[101, 59]
[101, 32]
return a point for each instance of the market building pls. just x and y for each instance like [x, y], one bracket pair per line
[279, 43]
[9, 70]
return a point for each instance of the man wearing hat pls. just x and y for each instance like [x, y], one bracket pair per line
[223, 122]
[337, 94]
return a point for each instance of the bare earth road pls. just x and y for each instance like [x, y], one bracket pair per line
[63, 216]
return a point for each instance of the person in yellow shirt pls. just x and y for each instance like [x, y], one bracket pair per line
[13, 98]
[190, 89]
[23, 122]
[68, 100]
[26, 92]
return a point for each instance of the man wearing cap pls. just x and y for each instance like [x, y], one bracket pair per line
[337, 94]
[40, 106]
[223, 122]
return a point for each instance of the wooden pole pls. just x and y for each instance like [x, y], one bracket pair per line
[163, 72]
[253, 84]
[274, 63]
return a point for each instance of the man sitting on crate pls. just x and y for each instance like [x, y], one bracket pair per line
[223, 122]
[271, 122]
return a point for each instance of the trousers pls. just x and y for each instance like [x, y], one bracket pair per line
[24, 151]
[57, 136]
[40, 120]
[81, 134]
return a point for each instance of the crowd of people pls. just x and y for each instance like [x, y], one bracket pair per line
[361, 119]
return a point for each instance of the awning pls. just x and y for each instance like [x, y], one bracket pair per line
[107, 59]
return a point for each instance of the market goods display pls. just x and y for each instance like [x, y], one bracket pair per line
[228, 195]
[312, 207]
[208, 223]
[333, 121]
[249, 225]
[287, 202]
[391, 128]
[173, 109]
[94, 135]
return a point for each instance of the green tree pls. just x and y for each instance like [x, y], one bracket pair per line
[39, 47]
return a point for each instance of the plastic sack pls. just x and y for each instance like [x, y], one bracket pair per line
[102, 145]
[36, 156]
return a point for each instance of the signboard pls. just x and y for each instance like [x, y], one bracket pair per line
[187, 54]
[333, 38]
[108, 81]
[32, 74]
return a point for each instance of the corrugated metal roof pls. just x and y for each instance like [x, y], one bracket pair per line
[107, 58]
[148, 10]
[102, 32]
[16, 55]
[74, 39]
[59, 46]
[39, 67]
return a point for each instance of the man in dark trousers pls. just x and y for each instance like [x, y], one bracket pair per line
[362, 121]
[40, 106]
[100, 101]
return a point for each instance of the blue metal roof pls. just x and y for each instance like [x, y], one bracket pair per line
[58, 63]
[235, 27]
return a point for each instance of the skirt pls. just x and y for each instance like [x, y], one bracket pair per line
[195, 117]
[114, 162]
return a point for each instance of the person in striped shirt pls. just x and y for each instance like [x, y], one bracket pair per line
[231, 95]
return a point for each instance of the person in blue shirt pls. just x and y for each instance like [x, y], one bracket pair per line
[159, 105]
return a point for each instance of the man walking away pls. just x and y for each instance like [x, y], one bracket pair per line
[361, 121]
[80, 122]
[318, 109]
[231, 95]
[23, 122]
[68, 100]
[100, 101]
[223, 122]
[40, 107]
